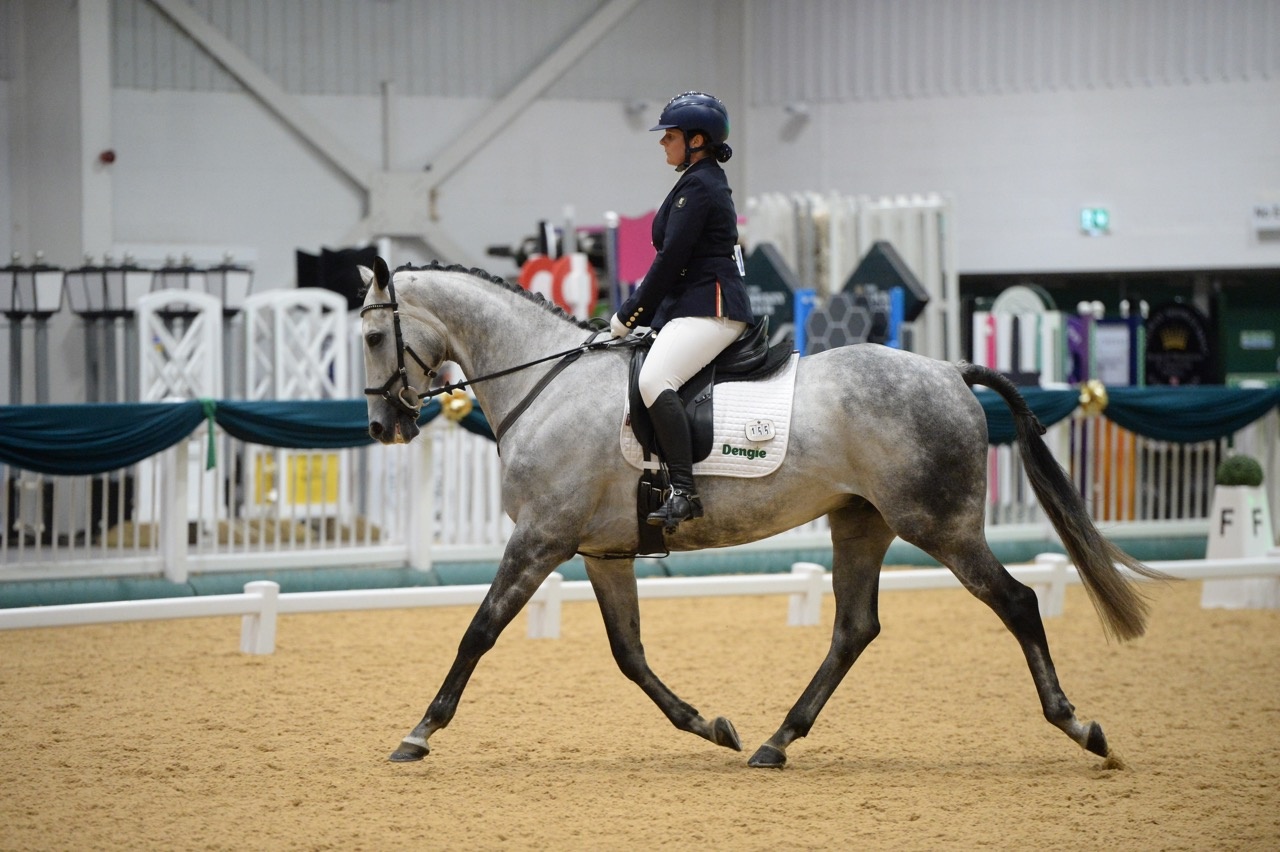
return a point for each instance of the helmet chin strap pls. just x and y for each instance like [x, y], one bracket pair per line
[689, 152]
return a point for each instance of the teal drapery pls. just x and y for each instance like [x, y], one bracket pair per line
[319, 424]
[1050, 406]
[1188, 414]
[78, 440]
[1184, 415]
[86, 439]
[94, 438]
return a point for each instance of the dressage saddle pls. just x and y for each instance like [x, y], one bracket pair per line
[748, 358]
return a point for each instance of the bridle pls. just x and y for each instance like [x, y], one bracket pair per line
[409, 400]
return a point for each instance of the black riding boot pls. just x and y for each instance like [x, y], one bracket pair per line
[672, 430]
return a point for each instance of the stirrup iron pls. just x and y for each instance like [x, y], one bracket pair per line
[679, 506]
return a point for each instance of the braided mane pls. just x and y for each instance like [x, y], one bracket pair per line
[476, 272]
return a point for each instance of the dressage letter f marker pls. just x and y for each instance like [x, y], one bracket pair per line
[1225, 520]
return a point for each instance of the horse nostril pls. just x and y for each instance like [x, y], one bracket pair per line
[375, 429]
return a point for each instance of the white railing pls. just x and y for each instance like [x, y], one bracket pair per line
[437, 500]
[807, 585]
[321, 508]
[1124, 478]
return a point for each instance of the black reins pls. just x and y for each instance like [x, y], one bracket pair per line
[410, 400]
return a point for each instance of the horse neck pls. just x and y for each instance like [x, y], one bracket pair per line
[491, 329]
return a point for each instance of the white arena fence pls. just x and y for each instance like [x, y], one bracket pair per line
[258, 508]
[436, 500]
[807, 585]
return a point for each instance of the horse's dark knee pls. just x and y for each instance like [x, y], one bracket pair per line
[1022, 609]
[476, 642]
[853, 638]
[865, 632]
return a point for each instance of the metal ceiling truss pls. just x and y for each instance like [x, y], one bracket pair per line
[398, 204]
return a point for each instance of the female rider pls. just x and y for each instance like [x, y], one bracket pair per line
[693, 295]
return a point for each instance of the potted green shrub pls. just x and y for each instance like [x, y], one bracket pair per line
[1239, 470]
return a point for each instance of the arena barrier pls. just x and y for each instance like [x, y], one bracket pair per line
[185, 521]
[807, 585]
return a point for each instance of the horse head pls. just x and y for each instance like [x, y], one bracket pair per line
[396, 383]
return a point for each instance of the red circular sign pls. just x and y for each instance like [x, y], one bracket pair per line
[557, 281]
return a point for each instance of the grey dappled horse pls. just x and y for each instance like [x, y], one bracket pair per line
[884, 443]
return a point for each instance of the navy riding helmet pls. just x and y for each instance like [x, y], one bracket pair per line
[697, 112]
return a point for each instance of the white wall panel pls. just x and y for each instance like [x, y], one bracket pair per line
[1023, 110]
[1179, 168]
[7, 35]
[803, 50]
[7, 17]
[662, 48]
[852, 50]
[453, 49]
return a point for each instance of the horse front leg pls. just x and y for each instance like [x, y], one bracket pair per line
[614, 582]
[526, 562]
[860, 538]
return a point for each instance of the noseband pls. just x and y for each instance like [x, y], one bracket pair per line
[408, 400]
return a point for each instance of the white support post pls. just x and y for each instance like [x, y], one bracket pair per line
[422, 513]
[805, 608]
[1052, 595]
[172, 512]
[544, 608]
[258, 629]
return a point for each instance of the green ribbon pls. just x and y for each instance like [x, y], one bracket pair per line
[209, 406]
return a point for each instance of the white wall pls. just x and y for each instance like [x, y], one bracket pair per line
[215, 169]
[1178, 167]
[1019, 143]
[6, 183]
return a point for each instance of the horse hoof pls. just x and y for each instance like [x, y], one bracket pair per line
[768, 757]
[723, 734]
[1097, 742]
[409, 752]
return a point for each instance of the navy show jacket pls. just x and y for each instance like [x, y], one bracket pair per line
[694, 273]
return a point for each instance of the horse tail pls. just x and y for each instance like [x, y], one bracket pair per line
[1122, 609]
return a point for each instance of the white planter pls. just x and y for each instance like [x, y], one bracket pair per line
[1240, 526]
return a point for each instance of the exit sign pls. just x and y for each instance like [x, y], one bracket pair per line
[1095, 221]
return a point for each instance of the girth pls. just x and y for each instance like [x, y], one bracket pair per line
[748, 358]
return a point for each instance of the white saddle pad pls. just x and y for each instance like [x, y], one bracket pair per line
[752, 424]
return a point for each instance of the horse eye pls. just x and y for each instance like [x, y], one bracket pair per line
[373, 338]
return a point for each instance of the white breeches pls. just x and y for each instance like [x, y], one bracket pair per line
[683, 347]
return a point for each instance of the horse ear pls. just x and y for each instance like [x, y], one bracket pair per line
[378, 275]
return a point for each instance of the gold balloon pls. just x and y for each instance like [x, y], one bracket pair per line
[1093, 397]
[456, 405]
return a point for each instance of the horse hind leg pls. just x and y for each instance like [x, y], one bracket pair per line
[1018, 608]
[860, 538]
[614, 582]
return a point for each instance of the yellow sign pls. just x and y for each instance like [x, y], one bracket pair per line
[312, 479]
